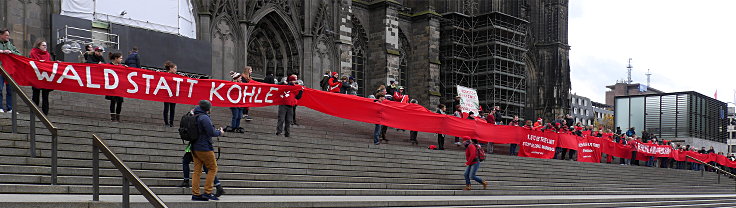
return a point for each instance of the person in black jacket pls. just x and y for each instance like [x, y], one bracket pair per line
[116, 102]
[133, 60]
[497, 115]
[440, 137]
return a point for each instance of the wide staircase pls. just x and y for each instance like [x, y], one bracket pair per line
[327, 162]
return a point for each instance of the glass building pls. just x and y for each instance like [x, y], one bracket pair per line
[673, 115]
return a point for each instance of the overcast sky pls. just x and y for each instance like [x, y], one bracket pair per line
[687, 44]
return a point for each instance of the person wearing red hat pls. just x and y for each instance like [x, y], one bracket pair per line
[334, 83]
[286, 112]
[95, 56]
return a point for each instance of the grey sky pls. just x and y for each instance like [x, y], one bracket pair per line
[686, 45]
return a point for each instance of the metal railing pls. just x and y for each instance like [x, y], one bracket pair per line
[35, 111]
[128, 176]
[718, 170]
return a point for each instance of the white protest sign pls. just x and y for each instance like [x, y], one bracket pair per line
[468, 100]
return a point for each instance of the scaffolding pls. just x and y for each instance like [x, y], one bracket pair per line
[485, 52]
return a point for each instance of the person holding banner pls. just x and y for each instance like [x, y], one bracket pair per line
[440, 137]
[380, 97]
[6, 47]
[116, 102]
[334, 84]
[286, 112]
[169, 108]
[40, 52]
[473, 163]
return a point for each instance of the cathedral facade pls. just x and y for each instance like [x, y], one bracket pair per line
[514, 52]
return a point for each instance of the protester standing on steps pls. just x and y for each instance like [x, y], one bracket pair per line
[300, 83]
[95, 57]
[40, 52]
[246, 78]
[441, 109]
[185, 161]
[353, 90]
[286, 112]
[116, 102]
[413, 134]
[133, 60]
[237, 112]
[203, 152]
[169, 108]
[334, 83]
[6, 47]
[380, 97]
[472, 164]
[323, 83]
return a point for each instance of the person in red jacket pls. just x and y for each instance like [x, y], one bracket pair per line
[286, 111]
[472, 163]
[40, 52]
[334, 83]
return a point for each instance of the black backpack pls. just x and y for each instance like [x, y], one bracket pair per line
[188, 128]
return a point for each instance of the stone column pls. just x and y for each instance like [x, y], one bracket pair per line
[344, 41]
[310, 76]
[244, 26]
[424, 64]
[383, 45]
[204, 27]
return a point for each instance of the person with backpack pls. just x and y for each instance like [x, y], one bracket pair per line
[286, 112]
[203, 153]
[474, 155]
[185, 161]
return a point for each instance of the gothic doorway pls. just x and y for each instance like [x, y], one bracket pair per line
[272, 49]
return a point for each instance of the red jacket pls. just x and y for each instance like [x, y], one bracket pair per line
[40, 55]
[491, 119]
[471, 153]
[291, 97]
[334, 85]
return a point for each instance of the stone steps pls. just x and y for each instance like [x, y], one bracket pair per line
[328, 162]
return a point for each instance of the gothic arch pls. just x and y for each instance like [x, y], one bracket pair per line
[273, 46]
[225, 38]
[404, 54]
[359, 54]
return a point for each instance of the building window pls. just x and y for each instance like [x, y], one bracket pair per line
[587, 113]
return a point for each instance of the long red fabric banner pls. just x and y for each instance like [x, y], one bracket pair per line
[107, 79]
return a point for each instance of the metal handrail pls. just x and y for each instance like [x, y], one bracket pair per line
[35, 111]
[128, 176]
[702, 171]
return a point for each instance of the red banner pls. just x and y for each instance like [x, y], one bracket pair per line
[538, 144]
[616, 149]
[108, 79]
[653, 150]
[568, 141]
[589, 149]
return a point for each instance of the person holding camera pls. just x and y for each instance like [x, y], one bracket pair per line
[203, 152]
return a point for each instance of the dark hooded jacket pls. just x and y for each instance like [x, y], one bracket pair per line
[206, 132]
